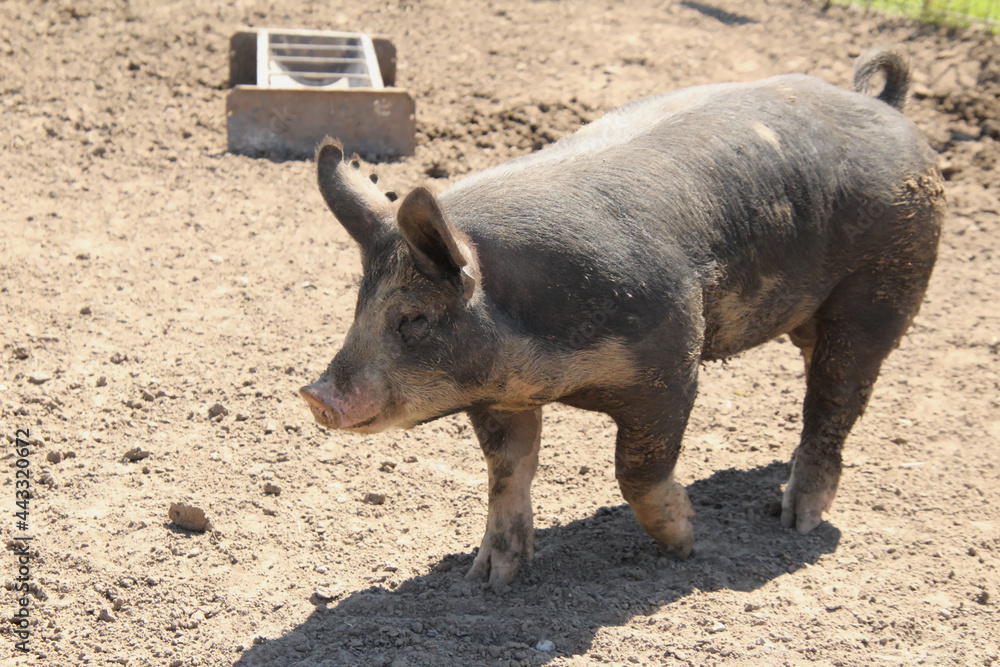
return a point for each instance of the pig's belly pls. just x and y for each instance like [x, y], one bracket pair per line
[736, 321]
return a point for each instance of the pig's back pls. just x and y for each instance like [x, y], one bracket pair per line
[718, 184]
[691, 162]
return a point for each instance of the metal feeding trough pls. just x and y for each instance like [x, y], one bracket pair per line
[291, 88]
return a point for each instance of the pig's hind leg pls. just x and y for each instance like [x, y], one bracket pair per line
[510, 443]
[853, 331]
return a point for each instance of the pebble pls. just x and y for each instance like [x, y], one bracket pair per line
[189, 517]
[217, 411]
[85, 310]
[272, 489]
[545, 645]
[324, 594]
[101, 382]
[990, 128]
[105, 615]
[21, 353]
[56, 457]
[374, 498]
[135, 454]
[39, 378]
[118, 358]
[718, 627]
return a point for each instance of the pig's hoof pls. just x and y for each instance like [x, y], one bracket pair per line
[680, 538]
[499, 571]
[806, 497]
[805, 514]
[496, 566]
[665, 513]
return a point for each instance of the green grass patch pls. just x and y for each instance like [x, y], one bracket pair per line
[943, 12]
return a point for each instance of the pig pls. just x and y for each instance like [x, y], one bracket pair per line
[602, 270]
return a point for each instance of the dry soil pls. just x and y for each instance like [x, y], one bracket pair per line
[147, 276]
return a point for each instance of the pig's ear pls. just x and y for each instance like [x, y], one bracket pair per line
[440, 251]
[354, 198]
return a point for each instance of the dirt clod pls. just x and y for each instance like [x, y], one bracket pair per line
[189, 517]
[135, 454]
[217, 411]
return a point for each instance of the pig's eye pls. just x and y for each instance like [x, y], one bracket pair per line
[412, 328]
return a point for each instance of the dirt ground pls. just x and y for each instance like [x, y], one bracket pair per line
[147, 275]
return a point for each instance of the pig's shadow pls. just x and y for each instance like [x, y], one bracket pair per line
[594, 572]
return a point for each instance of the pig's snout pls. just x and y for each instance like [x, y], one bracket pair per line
[358, 409]
[321, 397]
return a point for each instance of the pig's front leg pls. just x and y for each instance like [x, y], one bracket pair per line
[649, 442]
[510, 443]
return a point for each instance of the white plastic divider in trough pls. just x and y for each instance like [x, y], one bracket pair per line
[316, 59]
